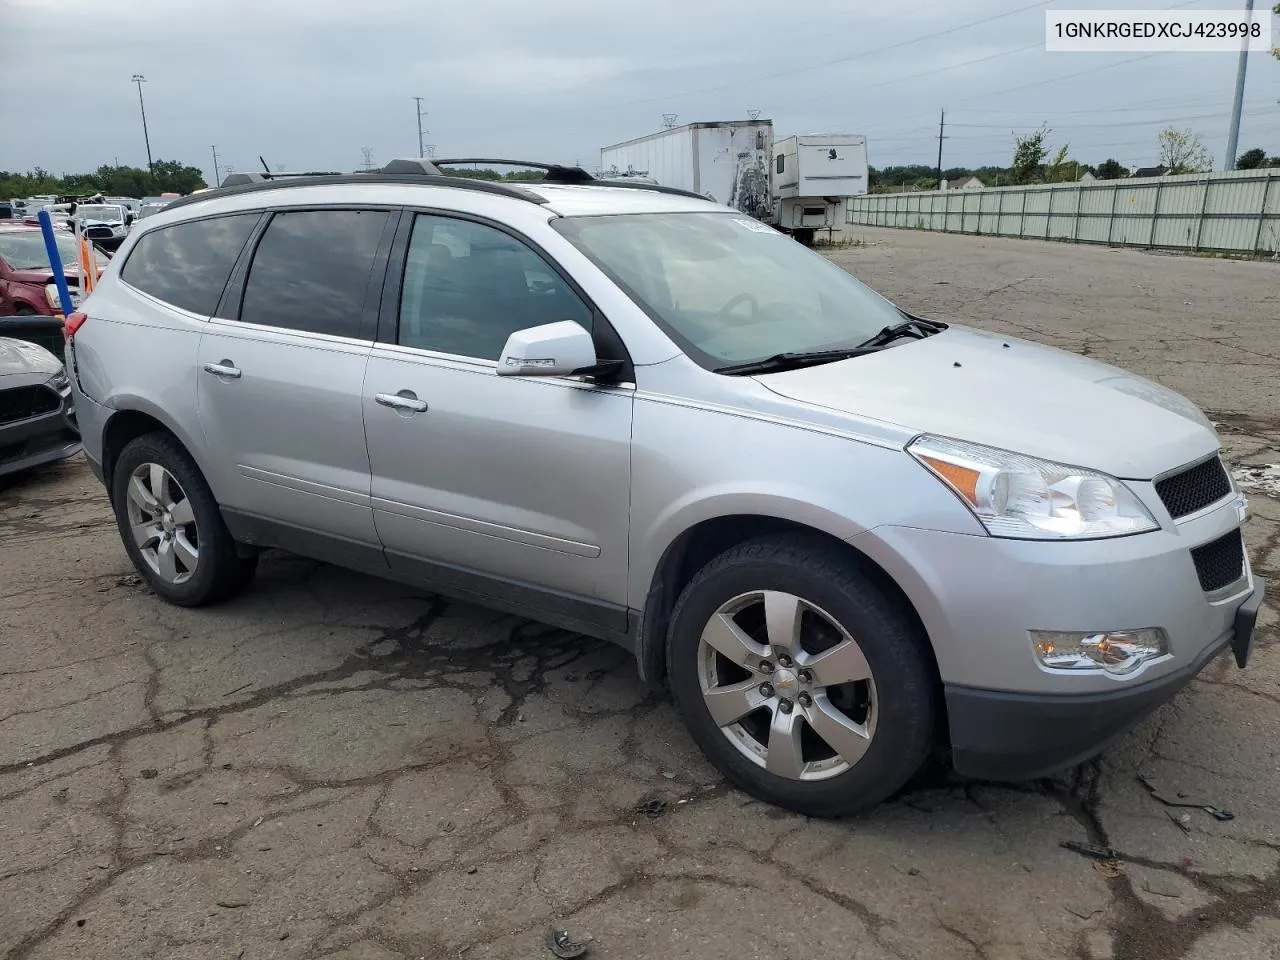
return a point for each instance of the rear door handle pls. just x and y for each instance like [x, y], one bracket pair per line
[224, 369]
[404, 400]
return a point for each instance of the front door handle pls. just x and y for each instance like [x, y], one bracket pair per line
[224, 369]
[404, 400]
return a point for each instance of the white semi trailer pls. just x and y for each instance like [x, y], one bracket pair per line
[727, 162]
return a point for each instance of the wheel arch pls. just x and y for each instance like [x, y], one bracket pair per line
[695, 546]
[137, 418]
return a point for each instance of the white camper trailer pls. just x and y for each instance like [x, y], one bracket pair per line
[813, 176]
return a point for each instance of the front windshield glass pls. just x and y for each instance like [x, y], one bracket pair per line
[147, 209]
[25, 250]
[97, 211]
[729, 289]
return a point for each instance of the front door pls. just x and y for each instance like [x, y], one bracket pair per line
[510, 490]
[281, 382]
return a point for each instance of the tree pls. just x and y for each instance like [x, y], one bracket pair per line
[1112, 170]
[1028, 156]
[1275, 51]
[1060, 169]
[1251, 159]
[1182, 151]
[170, 176]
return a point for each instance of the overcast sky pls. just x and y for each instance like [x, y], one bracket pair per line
[308, 83]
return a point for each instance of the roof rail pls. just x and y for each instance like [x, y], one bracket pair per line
[424, 172]
[253, 176]
[306, 180]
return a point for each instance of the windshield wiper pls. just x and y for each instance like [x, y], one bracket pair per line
[913, 326]
[792, 361]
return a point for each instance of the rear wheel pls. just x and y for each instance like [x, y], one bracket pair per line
[799, 679]
[171, 525]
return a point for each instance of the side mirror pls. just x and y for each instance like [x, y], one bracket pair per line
[551, 350]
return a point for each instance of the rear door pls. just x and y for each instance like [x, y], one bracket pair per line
[512, 490]
[281, 369]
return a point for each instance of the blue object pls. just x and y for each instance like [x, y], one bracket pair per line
[55, 261]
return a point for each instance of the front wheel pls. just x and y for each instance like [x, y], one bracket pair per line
[171, 525]
[799, 679]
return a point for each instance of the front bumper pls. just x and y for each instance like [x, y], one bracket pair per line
[1019, 736]
[979, 597]
[37, 440]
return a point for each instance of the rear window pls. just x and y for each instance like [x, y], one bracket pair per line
[312, 269]
[188, 264]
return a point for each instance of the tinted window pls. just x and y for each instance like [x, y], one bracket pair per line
[188, 264]
[467, 287]
[311, 271]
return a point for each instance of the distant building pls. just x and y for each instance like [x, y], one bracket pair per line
[1150, 172]
[964, 183]
[1087, 177]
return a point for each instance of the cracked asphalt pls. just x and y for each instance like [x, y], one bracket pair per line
[333, 766]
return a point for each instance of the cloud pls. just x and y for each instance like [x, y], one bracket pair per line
[308, 83]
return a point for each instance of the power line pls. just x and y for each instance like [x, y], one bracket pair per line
[737, 84]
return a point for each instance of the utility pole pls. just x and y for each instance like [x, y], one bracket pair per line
[942, 125]
[216, 179]
[420, 148]
[1233, 137]
[139, 79]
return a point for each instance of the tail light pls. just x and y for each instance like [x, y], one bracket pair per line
[73, 323]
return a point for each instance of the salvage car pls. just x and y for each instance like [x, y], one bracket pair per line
[37, 416]
[844, 536]
[106, 224]
[26, 277]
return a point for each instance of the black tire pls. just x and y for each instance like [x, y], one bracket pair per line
[906, 691]
[25, 311]
[221, 572]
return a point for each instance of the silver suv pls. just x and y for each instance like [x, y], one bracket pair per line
[842, 535]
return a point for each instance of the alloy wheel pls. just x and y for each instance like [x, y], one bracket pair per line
[787, 685]
[163, 523]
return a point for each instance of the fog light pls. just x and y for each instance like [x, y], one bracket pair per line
[1116, 651]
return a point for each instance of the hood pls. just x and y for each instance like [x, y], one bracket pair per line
[43, 274]
[18, 356]
[1023, 397]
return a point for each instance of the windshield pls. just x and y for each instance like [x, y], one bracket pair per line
[25, 250]
[98, 211]
[147, 209]
[729, 289]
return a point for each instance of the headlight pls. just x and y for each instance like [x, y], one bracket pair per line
[51, 297]
[59, 380]
[1026, 498]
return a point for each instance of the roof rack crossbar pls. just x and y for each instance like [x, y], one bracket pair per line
[555, 172]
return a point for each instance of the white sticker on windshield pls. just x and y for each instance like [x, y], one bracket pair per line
[755, 226]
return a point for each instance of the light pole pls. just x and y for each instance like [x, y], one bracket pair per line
[139, 79]
[1237, 103]
[419, 101]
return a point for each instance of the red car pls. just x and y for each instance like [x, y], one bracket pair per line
[26, 278]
